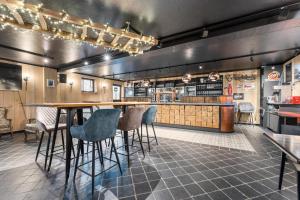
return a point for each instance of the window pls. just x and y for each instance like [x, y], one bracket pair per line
[87, 85]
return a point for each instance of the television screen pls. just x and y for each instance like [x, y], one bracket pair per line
[10, 77]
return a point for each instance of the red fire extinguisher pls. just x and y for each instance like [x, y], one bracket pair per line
[229, 89]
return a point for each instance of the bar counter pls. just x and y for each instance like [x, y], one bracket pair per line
[216, 117]
[284, 119]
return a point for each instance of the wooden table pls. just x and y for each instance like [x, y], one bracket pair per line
[77, 108]
[290, 146]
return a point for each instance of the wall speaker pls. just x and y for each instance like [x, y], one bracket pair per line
[62, 78]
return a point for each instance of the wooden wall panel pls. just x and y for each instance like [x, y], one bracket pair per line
[251, 95]
[38, 92]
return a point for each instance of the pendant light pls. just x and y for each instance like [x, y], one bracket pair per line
[214, 76]
[146, 83]
[186, 78]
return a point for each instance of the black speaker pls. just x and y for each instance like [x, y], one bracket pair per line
[62, 78]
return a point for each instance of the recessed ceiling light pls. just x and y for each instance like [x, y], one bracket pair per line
[107, 57]
[200, 67]
[86, 63]
[46, 60]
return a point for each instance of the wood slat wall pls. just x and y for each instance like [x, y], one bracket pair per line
[38, 92]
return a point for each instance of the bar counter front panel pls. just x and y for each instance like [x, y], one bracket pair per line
[202, 116]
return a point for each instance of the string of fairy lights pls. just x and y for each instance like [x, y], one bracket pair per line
[60, 25]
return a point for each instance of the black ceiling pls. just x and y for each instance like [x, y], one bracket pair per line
[162, 18]
[270, 44]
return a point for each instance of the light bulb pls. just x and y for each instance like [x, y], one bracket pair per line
[107, 57]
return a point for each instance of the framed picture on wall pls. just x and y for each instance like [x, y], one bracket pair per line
[50, 83]
[116, 93]
[238, 96]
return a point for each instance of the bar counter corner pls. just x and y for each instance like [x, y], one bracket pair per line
[215, 117]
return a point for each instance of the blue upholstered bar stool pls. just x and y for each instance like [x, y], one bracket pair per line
[100, 126]
[148, 119]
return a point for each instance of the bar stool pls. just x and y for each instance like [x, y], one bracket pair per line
[148, 119]
[100, 126]
[131, 121]
[46, 118]
[247, 108]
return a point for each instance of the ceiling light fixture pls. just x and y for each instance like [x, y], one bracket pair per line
[146, 83]
[46, 61]
[200, 67]
[214, 76]
[53, 24]
[107, 57]
[86, 63]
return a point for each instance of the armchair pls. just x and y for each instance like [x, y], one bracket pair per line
[31, 128]
[5, 124]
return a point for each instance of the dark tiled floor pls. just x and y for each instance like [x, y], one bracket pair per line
[173, 170]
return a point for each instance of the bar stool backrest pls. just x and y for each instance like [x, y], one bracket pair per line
[101, 125]
[131, 119]
[246, 107]
[45, 116]
[149, 115]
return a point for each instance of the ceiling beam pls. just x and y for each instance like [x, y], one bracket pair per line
[25, 51]
[251, 20]
[112, 79]
[26, 63]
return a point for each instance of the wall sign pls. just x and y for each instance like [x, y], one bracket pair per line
[244, 77]
[273, 76]
[249, 86]
[116, 92]
[238, 96]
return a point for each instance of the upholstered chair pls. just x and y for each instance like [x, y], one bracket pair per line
[131, 121]
[45, 119]
[100, 126]
[248, 109]
[31, 128]
[148, 119]
[5, 124]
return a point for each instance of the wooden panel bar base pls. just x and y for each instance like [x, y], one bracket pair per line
[227, 119]
[202, 116]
